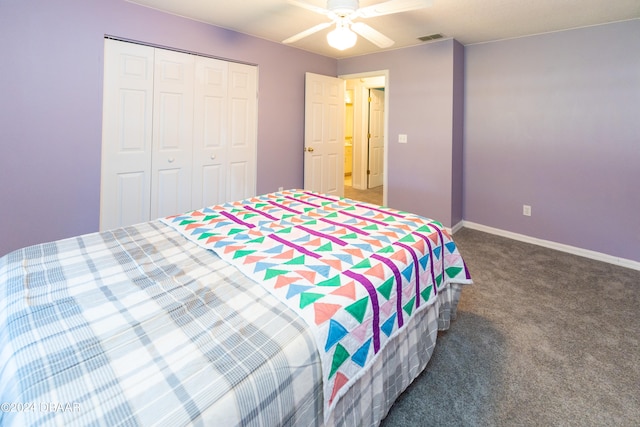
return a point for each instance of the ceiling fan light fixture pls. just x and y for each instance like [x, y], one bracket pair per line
[342, 37]
[344, 12]
[342, 8]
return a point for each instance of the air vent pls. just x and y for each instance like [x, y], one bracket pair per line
[431, 37]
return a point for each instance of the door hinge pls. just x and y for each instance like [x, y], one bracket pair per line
[368, 172]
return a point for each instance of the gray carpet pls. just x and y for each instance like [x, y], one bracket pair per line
[372, 195]
[542, 338]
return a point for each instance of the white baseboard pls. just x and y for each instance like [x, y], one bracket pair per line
[457, 227]
[598, 256]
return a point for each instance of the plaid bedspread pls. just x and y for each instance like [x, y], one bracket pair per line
[355, 272]
[139, 327]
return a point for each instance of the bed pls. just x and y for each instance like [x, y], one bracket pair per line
[291, 308]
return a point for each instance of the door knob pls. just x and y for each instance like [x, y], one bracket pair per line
[213, 157]
[309, 149]
[170, 160]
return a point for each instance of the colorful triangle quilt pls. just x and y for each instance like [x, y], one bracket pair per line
[355, 272]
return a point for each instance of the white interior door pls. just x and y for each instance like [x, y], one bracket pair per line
[171, 161]
[324, 134]
[126, 134]
[376, 138]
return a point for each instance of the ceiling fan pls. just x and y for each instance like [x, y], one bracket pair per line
[344, 12]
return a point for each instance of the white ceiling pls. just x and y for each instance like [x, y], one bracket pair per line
[468, 21]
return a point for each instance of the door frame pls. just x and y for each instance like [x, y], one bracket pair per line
[364, 123]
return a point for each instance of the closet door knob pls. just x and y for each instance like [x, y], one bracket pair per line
[213, 157]
[171, 160]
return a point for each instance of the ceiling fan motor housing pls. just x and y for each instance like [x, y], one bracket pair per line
[342, 8]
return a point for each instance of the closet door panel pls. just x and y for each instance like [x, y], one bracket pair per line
[170, 181]
[210, 132]
[239, 126]
[240, 175]
[242, 128]
[172, 160]
[212, 185]
[133, 197]
[126, 134]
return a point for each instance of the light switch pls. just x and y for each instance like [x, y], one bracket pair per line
[402, 138]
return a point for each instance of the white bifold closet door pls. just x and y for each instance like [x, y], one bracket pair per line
[179, 133]
[172, 146]
[224, 166]
[127, 116]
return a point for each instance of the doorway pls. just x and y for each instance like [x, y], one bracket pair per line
[366, 115]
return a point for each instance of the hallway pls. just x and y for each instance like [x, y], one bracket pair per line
[372, 195]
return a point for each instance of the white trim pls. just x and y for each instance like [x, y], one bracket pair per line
[385, 167]
[598, 256]
[457, 227]
[552, 32]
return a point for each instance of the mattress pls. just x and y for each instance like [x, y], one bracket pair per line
[143, 326]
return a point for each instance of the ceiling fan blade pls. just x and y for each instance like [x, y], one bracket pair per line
[308, 32]
[374, 36]
[305, 5]
[393, 6]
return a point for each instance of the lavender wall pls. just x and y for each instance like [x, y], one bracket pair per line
[550, 121]
[51, 106]
[553, 121]
[421, 105]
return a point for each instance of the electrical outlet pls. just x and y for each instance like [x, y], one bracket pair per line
[402, 138]
[526, 210]
[280, 188]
